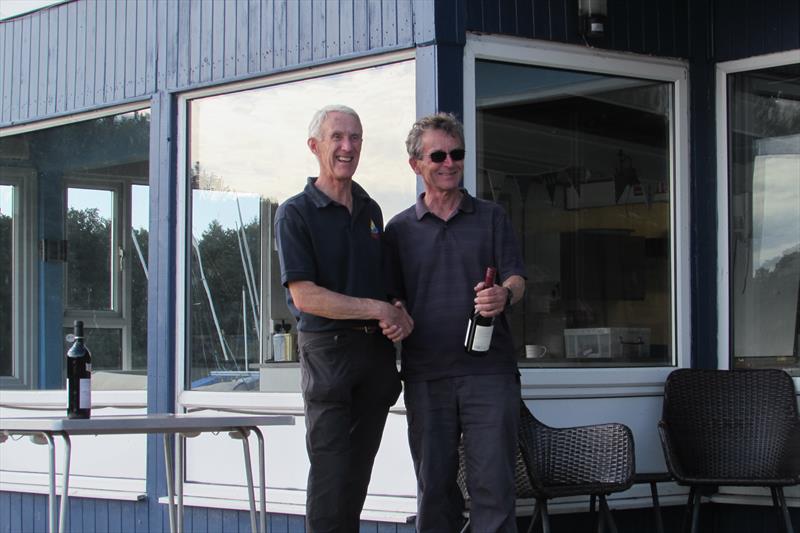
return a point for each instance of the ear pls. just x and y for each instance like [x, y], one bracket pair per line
[312, 145]
[414, 164]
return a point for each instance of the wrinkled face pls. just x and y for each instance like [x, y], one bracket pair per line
[444, 176]
[338, 147]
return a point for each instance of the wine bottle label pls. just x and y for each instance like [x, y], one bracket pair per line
[482, 339]
[85, 394]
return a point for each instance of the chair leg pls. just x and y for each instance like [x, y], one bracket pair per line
[465, 527]
[787, 519]
[545, 516]
[696, 512]
[606, 512]
[688, 514]
[537, 510]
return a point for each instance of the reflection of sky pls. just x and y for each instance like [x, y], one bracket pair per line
[222, 207]
[102, 200]
[255, 140]
[776, 207]
[6, 200]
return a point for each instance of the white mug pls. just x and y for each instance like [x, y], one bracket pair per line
[533, 351]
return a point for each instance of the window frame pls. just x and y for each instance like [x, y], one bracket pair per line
[724, 302]
[616, 381]
[120, 315]
[24, 280]
[289, 402]
[26, 297]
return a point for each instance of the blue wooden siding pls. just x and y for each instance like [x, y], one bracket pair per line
[27, 513]
[91, 53]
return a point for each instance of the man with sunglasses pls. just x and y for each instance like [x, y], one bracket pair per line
[329, 246]
[437, 253]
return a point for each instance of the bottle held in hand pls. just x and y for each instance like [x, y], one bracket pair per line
[479, 327]
[79, 376]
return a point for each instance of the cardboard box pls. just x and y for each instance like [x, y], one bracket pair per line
[607, 343]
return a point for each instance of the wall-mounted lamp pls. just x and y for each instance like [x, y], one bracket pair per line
[592, 18]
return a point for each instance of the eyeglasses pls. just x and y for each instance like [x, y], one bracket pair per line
[440, 155]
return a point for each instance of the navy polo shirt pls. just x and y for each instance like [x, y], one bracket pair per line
[319, 240]
[433, 265]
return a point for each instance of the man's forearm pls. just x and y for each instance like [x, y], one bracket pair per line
[310, 298]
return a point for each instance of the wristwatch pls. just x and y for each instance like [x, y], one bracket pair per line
[509, 297]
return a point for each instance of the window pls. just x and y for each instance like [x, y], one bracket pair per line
[584, 163]
[247, 153]
[763, 168]
[76, 249]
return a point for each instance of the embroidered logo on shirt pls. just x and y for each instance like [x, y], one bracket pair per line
[374, 232]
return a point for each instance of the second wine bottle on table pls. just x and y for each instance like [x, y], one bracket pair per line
[79, 376]
[479, 327]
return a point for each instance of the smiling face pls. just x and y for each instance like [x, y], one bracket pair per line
[438, 177]
[338, 147]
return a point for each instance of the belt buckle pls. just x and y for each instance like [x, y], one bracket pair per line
[368, 329]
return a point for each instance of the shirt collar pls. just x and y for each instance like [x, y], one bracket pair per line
[467, 204]
[320, 199]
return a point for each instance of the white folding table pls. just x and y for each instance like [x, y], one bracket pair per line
[180, 425]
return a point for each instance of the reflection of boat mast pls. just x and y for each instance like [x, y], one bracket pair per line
[139, 253]
[247, 266]
[210, 300]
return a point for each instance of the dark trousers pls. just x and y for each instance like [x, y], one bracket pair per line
[349, 381]
[486, 410]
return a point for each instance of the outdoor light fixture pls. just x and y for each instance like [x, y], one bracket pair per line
[592, 15]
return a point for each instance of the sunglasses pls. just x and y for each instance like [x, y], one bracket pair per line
[439, 156]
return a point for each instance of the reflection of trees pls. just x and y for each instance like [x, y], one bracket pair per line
[89, 255]
[88, 286]
[6, 226]
[224, 271]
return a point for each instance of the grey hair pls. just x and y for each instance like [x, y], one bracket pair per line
[446, 122]
[320, 116]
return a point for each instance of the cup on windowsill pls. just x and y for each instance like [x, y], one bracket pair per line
[535, 351]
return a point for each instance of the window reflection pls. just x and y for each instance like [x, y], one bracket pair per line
[582, 163]
[764, 166]
[247, 154]
[6, 278]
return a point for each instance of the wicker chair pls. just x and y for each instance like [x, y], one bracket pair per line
[731, 427]
[592, 461]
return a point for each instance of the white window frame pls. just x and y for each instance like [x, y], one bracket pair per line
[723, 190]
[603, 382]
[284, 402]
[119, 316]
[24, 279]
[28, 396]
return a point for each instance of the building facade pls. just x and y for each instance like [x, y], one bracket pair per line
[651, 171]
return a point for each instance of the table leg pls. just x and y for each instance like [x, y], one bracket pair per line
[180, 443]
[170, 471]
[243, 434]
[62, 519]
[51, 498]
[262, 480]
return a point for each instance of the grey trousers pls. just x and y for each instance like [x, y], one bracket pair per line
[486, 410]
[349, 381]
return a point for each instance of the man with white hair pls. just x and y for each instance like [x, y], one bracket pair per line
[329, 245]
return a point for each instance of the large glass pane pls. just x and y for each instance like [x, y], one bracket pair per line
[764, 168]
[140, 222]
[248, 153]
[85, 176]
[6, 279]
[90, 251]
[582, 164]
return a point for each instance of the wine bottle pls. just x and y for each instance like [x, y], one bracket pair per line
[479, 327]
[79, 376]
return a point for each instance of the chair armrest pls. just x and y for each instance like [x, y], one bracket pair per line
[671, 457]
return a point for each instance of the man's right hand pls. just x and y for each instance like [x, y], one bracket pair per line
[395, 322]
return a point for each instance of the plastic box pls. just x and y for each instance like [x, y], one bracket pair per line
[607, 343]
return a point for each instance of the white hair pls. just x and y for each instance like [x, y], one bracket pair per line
[320, 116]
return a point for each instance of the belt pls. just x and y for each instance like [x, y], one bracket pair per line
[365, 329]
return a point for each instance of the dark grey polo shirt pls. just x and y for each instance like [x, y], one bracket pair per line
[433, 265]
[318, 240]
